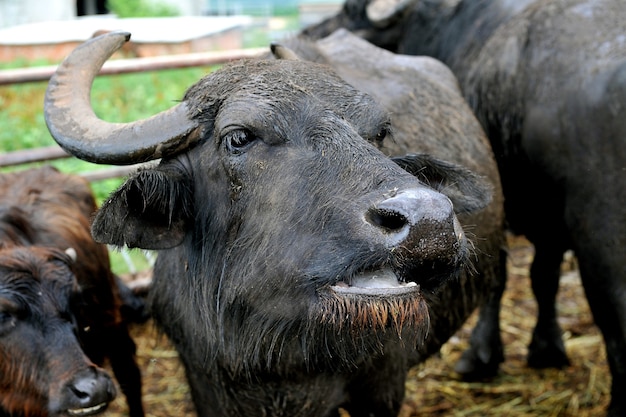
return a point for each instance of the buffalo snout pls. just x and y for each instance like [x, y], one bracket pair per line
[399, 215]
[87, 393]
[419, 227]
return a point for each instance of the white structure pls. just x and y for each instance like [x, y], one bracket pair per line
[54, 40]
[18, 12]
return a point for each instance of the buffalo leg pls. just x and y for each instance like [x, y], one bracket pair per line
[125, 368]
[482, 359]
[546, 348]
[606, 292]
[133, 307]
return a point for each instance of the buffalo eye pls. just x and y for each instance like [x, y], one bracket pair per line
[237, 140]
[383, 132]
[7, 321]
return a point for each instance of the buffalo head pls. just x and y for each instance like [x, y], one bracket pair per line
[43, 369]
[378, 21]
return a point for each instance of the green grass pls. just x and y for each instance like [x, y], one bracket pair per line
[141, 8]
[119, 98]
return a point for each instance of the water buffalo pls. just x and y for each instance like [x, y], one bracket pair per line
[547, 80]
[430, 116]
[43, 369]
[59, 314]
[295, 259]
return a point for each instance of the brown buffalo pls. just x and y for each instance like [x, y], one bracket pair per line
[59, 313]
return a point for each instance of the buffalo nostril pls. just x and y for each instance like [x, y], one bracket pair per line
[90, 390]
[410, 217]
[387, 219]
[84, 388]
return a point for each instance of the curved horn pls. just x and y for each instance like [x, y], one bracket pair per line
[76, 128]
[383, 13]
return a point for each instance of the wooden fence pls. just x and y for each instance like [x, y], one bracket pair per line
[120, 66]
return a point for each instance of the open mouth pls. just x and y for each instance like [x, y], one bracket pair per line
[382, 282]
[87, 411]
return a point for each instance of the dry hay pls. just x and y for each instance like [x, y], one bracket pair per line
[433, 389]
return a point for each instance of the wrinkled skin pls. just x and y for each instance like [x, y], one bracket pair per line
[43, 210]
[547, 80]
[268, 229]
[430, 116]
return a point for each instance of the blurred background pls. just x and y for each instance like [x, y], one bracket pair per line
[263, 13]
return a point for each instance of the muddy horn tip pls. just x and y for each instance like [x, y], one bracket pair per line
[77, 129]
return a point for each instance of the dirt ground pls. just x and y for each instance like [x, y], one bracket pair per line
[433, 389]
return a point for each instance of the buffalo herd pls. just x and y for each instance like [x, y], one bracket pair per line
[547, 81]
[329, 214]
[296, 260]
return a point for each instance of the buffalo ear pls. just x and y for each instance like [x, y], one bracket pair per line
[151, 210]
[467, 191]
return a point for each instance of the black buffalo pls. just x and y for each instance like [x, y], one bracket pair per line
[430, 116]
[60, 314]
[547, 80]
[295, 258]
